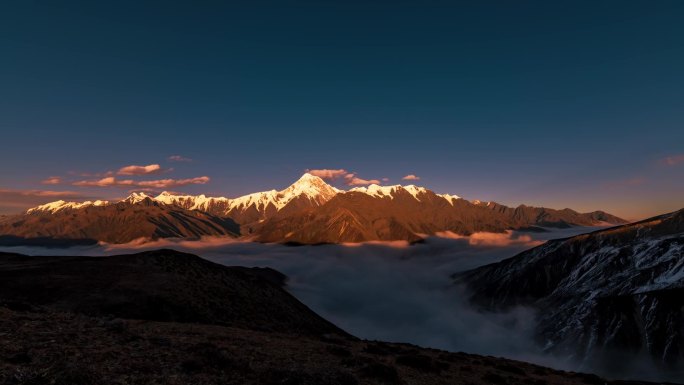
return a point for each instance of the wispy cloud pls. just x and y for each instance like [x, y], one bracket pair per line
[350, 178]
[354, 181]
[505, 239]
[52, 180]
[40, 193]
[159, 183]
[178, 158]
[15, 200]
[166, 183]
[328, 173]
[140, 170]
[105, 182]
[410, 177]
[673, 160]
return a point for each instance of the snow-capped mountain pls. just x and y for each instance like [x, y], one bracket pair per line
[312, 211]
[56, 206]
[309, 191]
[379, 213]
[604, 297]
[390, 191]
[138, 216]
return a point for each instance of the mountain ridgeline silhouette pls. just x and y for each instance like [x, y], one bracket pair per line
[613, 299]
[308, 212]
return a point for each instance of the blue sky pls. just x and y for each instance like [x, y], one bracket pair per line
[563, 104]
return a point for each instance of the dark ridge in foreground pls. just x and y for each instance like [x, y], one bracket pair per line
[49, 242]
[162, 285]
[84, 321]
[56, 348]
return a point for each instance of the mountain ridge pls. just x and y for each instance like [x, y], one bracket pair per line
[617, 289]
[309, 211]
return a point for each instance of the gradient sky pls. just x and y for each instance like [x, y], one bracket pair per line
[557, 103]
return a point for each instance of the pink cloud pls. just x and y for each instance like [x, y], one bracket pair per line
[673, 160]
[159, 183]
[166, 183]
[354, 181]
[105, 182]
[153, 191]
[492, 239]
[92, 174]
[139, 170]
[178, 158]
[41, 193]
[52, 180]
[15, 200]
[327, 173]
[410, 177]
[392, 244]
[350, 178]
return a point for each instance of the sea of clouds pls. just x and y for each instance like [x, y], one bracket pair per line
[389, 291]
[393, 291]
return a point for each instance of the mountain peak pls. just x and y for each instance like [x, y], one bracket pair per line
[59, 205]
[307, 176]
[137, 197]
[311, 180]
[312, 187]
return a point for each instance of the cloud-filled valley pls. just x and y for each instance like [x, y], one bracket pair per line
[382, 291]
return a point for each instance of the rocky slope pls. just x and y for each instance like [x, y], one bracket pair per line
[522, 216]
[84, 321]
[136, 217]
[604, 298]
[409, 213]
[307, 192]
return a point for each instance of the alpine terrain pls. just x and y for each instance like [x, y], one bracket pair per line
[310, 211]
[604, 298]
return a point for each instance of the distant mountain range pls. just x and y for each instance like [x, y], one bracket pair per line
[309, 211]
[608, 298]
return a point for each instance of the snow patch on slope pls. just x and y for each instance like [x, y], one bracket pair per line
[59, 205]
[309, 187]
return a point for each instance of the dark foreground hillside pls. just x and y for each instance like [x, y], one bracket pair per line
[161, 285]
[165, 317]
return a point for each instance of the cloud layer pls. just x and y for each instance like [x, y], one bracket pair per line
[52, 180]
[674, 160]
[14, 200]
[354, 181]
[328, 174]
[384, 291]
[158, 183]
[505, 239]
[139, 170]
[178, 158]
[349, 178]
[410, 177]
